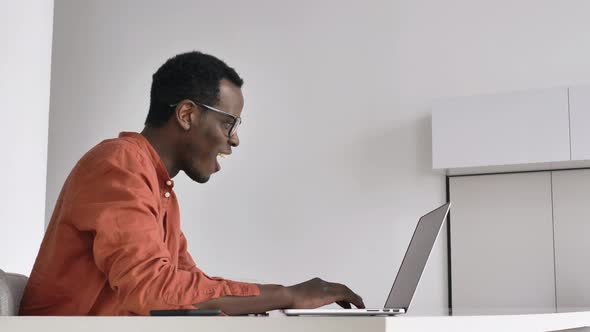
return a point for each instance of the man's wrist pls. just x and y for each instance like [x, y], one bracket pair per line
[281, 296]
[288, 295]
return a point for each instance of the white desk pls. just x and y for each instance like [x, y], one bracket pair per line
[521, 323]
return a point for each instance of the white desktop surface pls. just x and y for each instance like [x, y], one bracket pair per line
[537, 322]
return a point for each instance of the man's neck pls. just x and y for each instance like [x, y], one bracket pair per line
[163, 147]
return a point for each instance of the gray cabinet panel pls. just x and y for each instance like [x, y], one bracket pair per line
[579, 101]
[502, 244]
[571, 211]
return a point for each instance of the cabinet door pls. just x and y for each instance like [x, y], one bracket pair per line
[502, 244]
[579, 99]
[571, 211]
[501, 129]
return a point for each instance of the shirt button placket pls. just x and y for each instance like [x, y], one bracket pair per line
[169, 183]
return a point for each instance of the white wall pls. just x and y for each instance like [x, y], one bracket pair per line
[25, 34]
[335, 161]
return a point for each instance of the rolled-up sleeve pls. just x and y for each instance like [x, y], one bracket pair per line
[129, 249]
[185, 260]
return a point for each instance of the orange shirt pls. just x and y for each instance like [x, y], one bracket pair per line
[114, 244]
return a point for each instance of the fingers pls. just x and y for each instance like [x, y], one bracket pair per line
[328, 292]
[356, 300]
[348, 296]
[344, 304]
[359, 303]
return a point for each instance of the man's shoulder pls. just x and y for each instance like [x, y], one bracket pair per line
[117, 151]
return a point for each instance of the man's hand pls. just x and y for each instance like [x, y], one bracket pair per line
[316, 292]
[307, 295]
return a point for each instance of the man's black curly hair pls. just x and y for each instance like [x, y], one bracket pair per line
[193, 75]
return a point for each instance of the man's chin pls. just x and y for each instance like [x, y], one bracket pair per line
[198, 177]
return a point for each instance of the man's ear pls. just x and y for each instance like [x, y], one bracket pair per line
[184, 114]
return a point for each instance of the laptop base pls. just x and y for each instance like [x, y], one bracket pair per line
[343, 312]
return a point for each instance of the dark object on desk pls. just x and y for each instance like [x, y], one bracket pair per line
[187, 312]
[260, 314]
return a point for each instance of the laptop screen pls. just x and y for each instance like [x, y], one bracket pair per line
[416, 257]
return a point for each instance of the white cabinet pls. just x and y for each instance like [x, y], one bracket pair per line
[571, 213]
[579, 101]
[511, 128]
[519, 241]
[502, 244]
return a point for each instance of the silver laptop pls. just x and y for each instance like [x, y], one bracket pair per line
[408, 275]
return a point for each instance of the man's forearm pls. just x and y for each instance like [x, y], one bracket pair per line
[271, 297]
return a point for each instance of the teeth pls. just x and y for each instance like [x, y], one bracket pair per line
[222, 155]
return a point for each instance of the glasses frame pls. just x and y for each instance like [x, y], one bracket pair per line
[237, 120]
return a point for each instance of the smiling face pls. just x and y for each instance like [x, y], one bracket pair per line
[206, 132]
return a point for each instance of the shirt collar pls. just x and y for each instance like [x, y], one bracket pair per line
[155, 159]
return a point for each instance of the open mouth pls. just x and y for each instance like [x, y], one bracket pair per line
[217, 164]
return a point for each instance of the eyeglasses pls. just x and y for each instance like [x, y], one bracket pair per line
[232, 129]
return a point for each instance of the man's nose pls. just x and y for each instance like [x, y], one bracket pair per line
[234, 140]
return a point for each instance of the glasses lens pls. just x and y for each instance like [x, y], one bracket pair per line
[234, 128]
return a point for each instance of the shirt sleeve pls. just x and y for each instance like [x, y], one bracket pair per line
[121, 211]
[185, 261]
